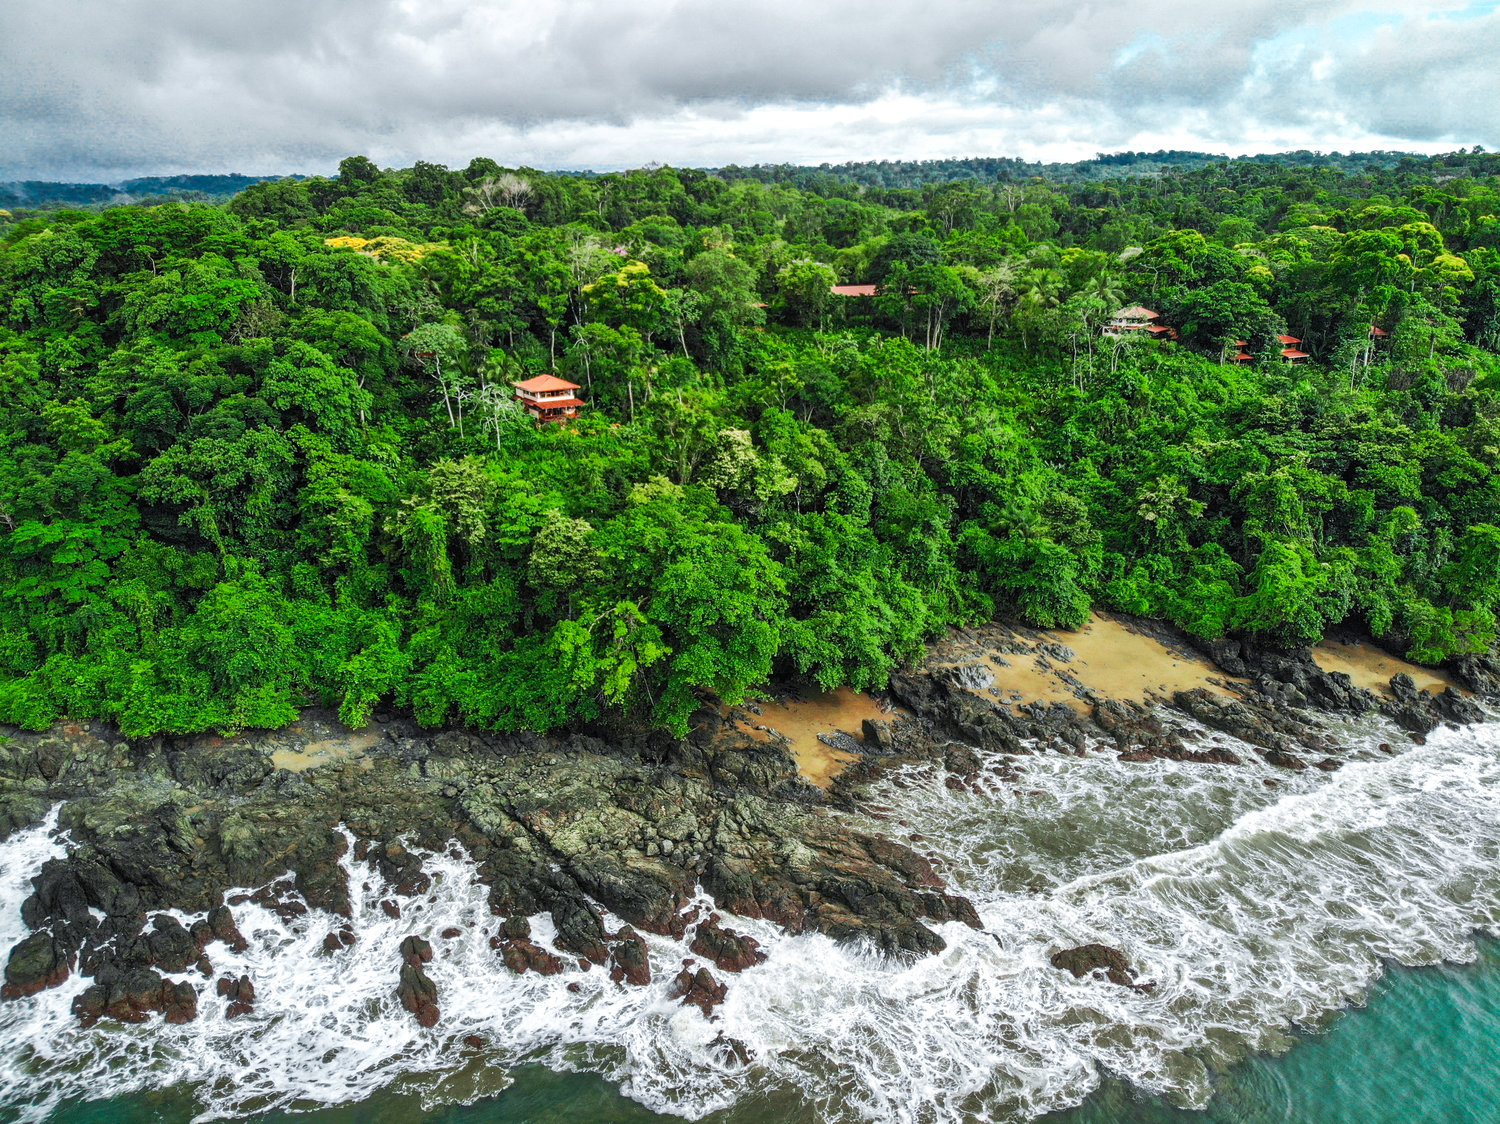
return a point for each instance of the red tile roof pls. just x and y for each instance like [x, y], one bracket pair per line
[854, 290]
[1135, 312]
[1288, 339]
[1377, 332]
[546, 382]
[1292, 353]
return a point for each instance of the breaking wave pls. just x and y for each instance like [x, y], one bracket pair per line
[1254, 899]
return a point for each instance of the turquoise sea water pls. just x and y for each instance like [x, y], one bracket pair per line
[1425, 1050]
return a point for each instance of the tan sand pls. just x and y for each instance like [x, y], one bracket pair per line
[1109, 660]
[800, 721]
[1121, 664]
[325, 752]
[1372, 668]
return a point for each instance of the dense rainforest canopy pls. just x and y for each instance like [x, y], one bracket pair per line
[264, 453]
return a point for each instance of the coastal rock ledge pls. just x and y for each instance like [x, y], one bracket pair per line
[559, 826]
[632, 824]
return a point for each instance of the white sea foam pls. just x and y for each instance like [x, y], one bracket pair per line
[1251, 908]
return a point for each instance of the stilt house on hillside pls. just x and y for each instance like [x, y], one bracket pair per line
[1137, 318]
[549, 398]
[1289, 350]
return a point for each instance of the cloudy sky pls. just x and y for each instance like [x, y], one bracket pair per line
[100, 90]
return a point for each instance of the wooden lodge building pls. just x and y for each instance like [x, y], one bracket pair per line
[548, 398]
[1138, 319]
[1289, 350]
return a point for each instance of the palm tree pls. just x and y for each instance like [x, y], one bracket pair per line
[1039, 291]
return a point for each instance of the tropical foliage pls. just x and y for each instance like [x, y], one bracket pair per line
[264, 453]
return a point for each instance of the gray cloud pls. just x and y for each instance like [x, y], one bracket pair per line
[106, 88]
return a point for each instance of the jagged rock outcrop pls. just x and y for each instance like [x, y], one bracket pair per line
[698, 989]
[557, 826]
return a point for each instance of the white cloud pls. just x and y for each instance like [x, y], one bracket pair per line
[108, 88]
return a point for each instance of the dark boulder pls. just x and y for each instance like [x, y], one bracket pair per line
[219, 926]
[339, 939]
[173, 948]
[418, 994]
[878, 736]
[416, 951]
[133, 996]
[579, 929]
[629, 962]
[1455, 706]
[698, 989]
[240, 993]
[523, 956]
[36, 963]
[730, 951]
[1087, 959]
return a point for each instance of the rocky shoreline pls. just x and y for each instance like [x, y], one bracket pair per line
[575, 826]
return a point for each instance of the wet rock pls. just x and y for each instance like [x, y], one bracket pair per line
[90, 1003]
[878, 736]
[698, 989]
[339, 939]
[516, 928]
[1227, 715]
[521, 956]
[1479, 673]
[418, 994]
[730, 951]
[844, 743]
[173, 948]
[731, 1051]
[579, 929]
[416, 951]
[133, 997]
[629, 962]
[219, 926]
[1456, 707]
[240, 993]
[474, 1041]
[1087, 959]
[36, 963]
[1283, 760]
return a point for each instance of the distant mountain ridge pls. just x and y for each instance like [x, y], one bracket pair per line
[879, 174]
[1104, 166]
[46, 193]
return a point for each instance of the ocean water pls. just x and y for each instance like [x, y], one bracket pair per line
[1321, 949]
